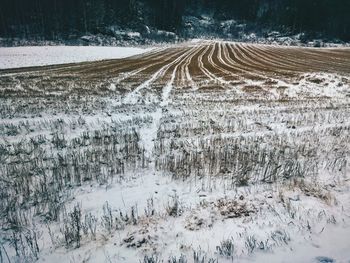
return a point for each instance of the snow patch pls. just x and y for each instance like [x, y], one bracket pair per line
[31, 56]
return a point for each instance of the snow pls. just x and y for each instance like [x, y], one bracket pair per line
[30, 56]
[291, 224]
[325, 240]
[335, 246]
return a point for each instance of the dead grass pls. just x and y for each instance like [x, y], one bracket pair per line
[314, 189]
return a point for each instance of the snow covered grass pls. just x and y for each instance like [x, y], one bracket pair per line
[31, 56]
[257, 198]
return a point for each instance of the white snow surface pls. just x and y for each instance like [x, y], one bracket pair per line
[31, 56]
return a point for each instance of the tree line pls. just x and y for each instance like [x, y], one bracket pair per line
[52, 19]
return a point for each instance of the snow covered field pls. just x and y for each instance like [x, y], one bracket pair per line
[17, 57]
[201, 152]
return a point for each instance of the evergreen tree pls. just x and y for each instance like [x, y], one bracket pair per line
[51, 19]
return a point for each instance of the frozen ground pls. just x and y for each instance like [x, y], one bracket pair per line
[17, 57]
[201, 152]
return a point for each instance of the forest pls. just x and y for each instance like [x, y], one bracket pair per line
[53, 19]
